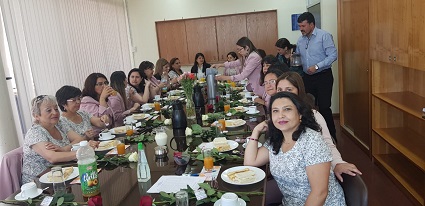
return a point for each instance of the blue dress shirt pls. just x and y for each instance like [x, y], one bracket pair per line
[318, 50]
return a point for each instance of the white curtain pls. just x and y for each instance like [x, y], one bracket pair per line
[60, 42]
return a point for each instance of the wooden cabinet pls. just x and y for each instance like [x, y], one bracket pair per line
[229, 30]
[354, 70]
[215, 36]
[417, 43]
[398, 137]
[201, 38]
[390, 29]
[172, 42]
[262, 30]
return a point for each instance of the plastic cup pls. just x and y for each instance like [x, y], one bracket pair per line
[208, 160]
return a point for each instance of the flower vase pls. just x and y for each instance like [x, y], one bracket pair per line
[190, 111]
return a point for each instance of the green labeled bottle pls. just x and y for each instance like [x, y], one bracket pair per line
[87, 168]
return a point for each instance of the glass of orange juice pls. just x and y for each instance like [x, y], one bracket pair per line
[223, 124]
[232, 84]
[157, 106]
[129, 129]
[121, 149]
[226, 108]
[208, 160]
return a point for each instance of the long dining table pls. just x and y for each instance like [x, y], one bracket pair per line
[119, 184]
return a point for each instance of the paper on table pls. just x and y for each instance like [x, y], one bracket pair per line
[173, 183]
[209, 175]
[114, 151]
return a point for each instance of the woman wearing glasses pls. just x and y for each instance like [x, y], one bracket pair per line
[48, 141]
[69, 100]
[269, 82]
[251, 66]
[100, 99]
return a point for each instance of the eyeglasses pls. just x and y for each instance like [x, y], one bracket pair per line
[272, 81]
[75, 99]
[102, 83]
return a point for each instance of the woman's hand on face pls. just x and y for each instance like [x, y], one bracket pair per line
[53, 147]
[94, 144]
[106, 92]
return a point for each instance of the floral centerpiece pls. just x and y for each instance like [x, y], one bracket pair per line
[187, 80]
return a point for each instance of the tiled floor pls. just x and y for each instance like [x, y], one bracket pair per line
[382, 191]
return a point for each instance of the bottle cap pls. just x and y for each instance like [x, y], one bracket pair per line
[83, 143]
[140, 146]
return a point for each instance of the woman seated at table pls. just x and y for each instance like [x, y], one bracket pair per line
[230, 71]
[251, 63]
[137, 89]
[299, 157]
[175, 68]
[147, 74]
[47, 141]
[269, 83]
[119, 84]
[69, 100]
[293, 82]
[162, 73]
[266, 62]
[100, 99]
[200, 66]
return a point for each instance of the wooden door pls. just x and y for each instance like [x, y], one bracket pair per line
[381, 17]
[401, 29]
[171, 37]
[201, 38]
[229, 30]
[354, 68]
[417, 43]
[262, 30]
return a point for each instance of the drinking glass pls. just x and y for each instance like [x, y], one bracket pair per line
[182, 198]
[121, 149]
[208, 160]
[129, 129]
[226, 108]
[223, 124]
[157, 106]
[58, 181]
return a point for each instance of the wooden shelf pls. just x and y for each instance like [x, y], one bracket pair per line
[408, 142]
[405, 101]
[412, 178]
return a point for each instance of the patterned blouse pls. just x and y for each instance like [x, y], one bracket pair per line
[33, 163]
[80, 128]
[289, 169]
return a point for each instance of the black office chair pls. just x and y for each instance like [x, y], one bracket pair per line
[355, 190]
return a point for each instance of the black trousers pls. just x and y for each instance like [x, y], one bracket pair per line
[320, 86]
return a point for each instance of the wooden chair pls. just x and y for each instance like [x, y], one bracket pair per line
[355, 190]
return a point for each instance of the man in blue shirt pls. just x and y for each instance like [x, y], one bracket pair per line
[318, 52]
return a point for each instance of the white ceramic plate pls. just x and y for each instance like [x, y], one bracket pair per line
[245, 144]
[74, 174]
[244, 101]
[103, 138]
[233, 145]
[241, 202]
[256, 112]
[140, 116]
[259, 175]
[145, 109]
[120, 130]
[107, 145]
[19, 196]
[240, 109]
[235, 123]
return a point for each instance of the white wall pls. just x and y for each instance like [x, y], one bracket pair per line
[142, 15]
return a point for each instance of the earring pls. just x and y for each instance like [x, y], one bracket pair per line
[301, 120]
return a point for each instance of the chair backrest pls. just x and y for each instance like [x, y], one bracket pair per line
[10, 172]
[355, 190]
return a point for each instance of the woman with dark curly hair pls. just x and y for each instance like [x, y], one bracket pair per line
[298, 155]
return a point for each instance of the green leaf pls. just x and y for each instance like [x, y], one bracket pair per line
[205, 186]
[210, 192]
[68, 197]
[214, 199]
[196, 129]
[29, 200]
[246, 198]
[219, 194]
[60, 201]
[74, 203]
[200, 157]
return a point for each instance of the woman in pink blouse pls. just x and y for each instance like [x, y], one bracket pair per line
[146, 67]
[251, 66]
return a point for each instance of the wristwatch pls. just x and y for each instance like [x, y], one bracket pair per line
[317, 67]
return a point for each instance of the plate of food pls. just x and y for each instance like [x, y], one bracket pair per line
[222, 144]
[140, 116]
[107, 145]
[243, 175]
[69, 173]
[120, 130]
[244, 101]
[148, 105]
[235, 123]
[240, 108]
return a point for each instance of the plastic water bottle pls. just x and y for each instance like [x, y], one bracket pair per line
[143, 170]
[87, 168]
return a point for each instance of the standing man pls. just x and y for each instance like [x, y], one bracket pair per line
[318, 52]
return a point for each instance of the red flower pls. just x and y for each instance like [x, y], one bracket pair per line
[191, 76]
[146, 200]
[95, 201]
